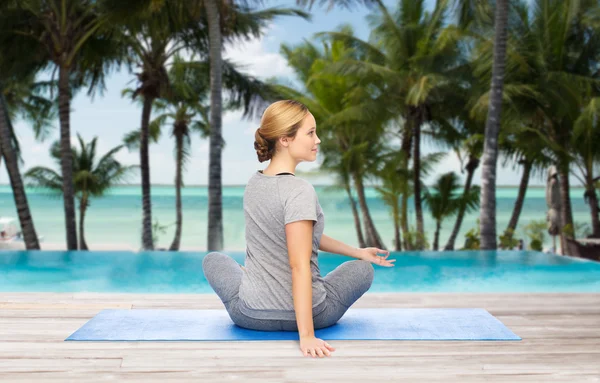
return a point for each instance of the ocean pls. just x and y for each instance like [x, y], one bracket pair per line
[114, 221]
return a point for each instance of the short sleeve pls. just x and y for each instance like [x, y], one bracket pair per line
[300, 204]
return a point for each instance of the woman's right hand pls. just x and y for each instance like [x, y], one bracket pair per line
[310, 345]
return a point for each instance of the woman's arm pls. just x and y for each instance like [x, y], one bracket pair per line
[369, 254]
[299, 242]
[334, 246]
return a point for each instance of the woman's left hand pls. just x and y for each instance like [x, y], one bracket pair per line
[371, 254]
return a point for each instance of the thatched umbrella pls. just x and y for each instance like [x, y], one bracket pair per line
[553, 203]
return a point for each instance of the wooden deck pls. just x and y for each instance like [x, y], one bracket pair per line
[561, 342]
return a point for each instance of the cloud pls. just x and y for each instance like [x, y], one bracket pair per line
[204, 147]
[232, 117]
[253, 58]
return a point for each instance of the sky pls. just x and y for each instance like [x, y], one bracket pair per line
[109, 116]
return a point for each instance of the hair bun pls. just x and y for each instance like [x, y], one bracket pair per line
[262, 147]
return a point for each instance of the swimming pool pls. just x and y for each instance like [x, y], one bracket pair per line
[181, 272]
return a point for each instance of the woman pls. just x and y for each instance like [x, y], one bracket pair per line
[280, 287]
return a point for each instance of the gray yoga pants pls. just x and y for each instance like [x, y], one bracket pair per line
[344, 286]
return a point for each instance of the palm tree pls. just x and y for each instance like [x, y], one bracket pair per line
[92, 179]
[25, 99]
[152, 41]
[473, 148]
[587, 157]
[185, 111]
[396, 182]
[8, 151]
[462, 133]
[446, 200]
[156, 32]
[516, 146]
[214, 15]
[215, 11]
[523, 100]
[522, 103]
[340, 105]
[397, 178]
[492, 130]
[561, 69]
[184, 108]
[22, 98]
[413, 57]
[215, 194]
[71, 36]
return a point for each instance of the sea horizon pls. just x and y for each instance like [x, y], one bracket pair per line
[314, 184]
[114, 221]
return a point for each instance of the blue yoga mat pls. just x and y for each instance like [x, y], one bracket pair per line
[356, 324]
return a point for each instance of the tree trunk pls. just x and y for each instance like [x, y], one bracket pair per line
[566, 212]
[359, 233]
[593, 201]
[12, 167]
[471, 167]
[436, 240]
[417, 120]
[82, 209]
[514, 219]
[397, 237]
[178, 178]
[64, 106]
[145, 170]
[492, 129]
[215, 200]
[373, 238]
[404, 220]
[406, 144]
[405, 148]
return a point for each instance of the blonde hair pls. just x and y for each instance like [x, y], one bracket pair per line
[281, 119]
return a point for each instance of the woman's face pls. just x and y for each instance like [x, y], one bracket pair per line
[304, 146]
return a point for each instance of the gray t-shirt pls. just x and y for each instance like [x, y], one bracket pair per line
[271, 202]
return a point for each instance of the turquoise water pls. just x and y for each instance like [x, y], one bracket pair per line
[116, 219]
[181, 272]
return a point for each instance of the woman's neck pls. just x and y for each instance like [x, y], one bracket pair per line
[279, 166]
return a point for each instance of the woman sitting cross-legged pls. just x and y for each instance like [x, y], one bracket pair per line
[281, 288]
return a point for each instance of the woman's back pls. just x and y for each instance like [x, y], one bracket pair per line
[271, 202]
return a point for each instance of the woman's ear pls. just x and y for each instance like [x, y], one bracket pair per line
[284, 141]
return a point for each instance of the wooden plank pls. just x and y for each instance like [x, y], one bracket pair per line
[65, 364]
[211, 350]
[62, 306]
[560, 331]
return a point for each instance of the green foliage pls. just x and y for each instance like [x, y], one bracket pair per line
[582, 230]
[92, 176]
[536, 231]
[536, 245]
[568, 230]
[507, 240]
[158, 229]
[26, 100]
[444, 199]
[473, 238]
[412, 237]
